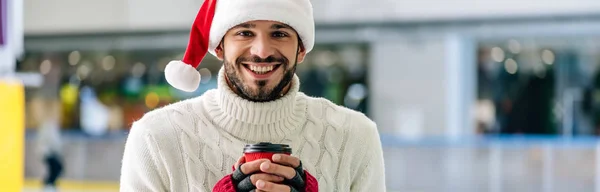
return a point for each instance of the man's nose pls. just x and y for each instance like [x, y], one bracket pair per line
[262, 47]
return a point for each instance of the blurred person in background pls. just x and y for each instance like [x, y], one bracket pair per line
[49, 144]
[193, 145]
[532, 109]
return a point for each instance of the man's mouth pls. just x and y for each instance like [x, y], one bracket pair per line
[261, 69]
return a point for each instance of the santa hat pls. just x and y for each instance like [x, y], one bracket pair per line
[216, 17]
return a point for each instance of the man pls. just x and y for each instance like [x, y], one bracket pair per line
[193, 145]
[49, 143]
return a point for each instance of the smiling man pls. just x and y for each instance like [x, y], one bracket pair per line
[192, 145]
[265, 65]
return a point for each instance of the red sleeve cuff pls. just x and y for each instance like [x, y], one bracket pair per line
[311, 184]
[224, 185]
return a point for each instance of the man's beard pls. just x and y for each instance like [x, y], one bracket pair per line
[263, 93]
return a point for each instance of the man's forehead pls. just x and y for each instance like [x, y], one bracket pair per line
[270, 24]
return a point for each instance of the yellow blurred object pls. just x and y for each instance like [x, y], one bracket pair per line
[68, 94]
[73, 185]
[152, 100]
[12, 135]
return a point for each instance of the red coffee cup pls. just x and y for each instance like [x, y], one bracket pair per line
[265, 150]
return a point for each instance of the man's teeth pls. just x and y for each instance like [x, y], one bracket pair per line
[261, 69]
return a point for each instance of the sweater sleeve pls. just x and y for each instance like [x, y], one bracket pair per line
[141, 170]
[311, 184]
[224, 185]
[371, 173]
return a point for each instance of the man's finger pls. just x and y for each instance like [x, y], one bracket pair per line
[271, 187]
[241, 160]
[252, 166]
[265, 177]
[245, 185]
[281, 170]
[297, 181]
[249, 183]
[287, 160]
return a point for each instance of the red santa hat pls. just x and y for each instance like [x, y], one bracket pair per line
[216, 17]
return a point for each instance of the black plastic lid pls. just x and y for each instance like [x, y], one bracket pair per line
[267, 147]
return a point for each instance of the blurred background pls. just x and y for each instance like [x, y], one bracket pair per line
[468, 95]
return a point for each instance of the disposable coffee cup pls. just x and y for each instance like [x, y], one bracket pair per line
[265, 150]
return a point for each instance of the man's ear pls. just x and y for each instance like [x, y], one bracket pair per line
[301, 53]
[219, 51]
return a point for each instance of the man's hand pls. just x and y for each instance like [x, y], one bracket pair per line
[267, 176]
[247, 175]
[286, 166]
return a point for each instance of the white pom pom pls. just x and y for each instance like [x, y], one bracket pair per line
[182, 76]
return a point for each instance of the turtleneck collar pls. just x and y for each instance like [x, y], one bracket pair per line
[257, 121]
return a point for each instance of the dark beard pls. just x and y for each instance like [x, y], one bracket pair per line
[262, 94]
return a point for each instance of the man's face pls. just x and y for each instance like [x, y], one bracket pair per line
[260, 59]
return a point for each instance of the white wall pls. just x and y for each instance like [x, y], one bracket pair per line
[407, 81]
[423, 86]
[66, 16]
[75, 16]
[418, 10]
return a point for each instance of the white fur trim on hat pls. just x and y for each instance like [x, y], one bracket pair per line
[296, 13]
[182, 76]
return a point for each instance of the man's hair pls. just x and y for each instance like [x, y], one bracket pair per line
[300, 44]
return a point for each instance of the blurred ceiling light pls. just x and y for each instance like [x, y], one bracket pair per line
[45, 67]
[83, 70]
[514, 46]
[108, 63]
[510, 65]
[497, 54]
[205, 75]
[162, 63]
[138, 69]
[548, 57]
[74, 57]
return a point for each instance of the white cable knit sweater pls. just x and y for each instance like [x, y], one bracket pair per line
[191, 144]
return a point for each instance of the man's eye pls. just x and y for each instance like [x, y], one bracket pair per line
[244, 33]
[279, 34]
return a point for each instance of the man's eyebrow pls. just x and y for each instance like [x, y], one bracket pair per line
[280, 26]
[251, 25]
[245, 25]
